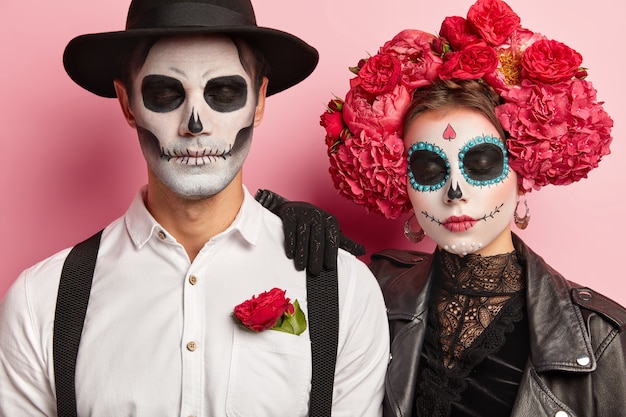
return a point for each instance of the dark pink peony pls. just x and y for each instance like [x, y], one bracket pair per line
[413, 49]
[558, 132]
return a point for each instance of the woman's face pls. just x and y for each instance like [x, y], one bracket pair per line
[462, 190]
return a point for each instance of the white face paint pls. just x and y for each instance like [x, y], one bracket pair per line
[466, 205]
[194, 108]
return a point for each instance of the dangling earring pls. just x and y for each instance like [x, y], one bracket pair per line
[522, 222]
[413, 237]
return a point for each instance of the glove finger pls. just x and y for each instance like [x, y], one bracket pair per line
[351, 246]
[291, 233]
[302, 246]
[316, 246]
[331, 243]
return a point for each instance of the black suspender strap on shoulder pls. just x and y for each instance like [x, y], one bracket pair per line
[69, 317]
[71, 308]
[323, 310]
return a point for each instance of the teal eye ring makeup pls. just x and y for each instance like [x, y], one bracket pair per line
[483, 161]
[428, 167]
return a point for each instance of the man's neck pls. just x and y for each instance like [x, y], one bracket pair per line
[193, 222]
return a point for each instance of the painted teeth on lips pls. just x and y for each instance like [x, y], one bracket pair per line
[459, 223]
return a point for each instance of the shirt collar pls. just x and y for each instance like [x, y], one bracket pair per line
[141, 226]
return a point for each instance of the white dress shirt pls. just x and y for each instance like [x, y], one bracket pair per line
[160, 338]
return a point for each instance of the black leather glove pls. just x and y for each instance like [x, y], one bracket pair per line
[312, 235]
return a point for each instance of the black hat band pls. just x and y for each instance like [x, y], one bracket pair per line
[188, 14]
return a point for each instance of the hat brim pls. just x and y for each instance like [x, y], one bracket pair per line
[92, 60]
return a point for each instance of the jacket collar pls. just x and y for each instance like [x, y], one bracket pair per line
[558, 336]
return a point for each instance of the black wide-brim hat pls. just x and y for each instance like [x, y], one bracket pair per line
[93, 60]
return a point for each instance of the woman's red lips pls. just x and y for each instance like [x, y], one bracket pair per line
[459, 223]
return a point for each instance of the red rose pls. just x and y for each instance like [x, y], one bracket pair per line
[332, 121]
[380, 74]
[413, 49]
[494, 20]
[550, 62]
[470, 63]
[458, 32]
[509, 72]
[262, 312]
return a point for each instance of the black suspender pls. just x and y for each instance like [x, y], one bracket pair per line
[69, 318]
[323, 309]
[73, 297]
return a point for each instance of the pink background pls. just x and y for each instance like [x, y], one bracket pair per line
[71, 165]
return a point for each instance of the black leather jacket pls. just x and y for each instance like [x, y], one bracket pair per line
[577, 363]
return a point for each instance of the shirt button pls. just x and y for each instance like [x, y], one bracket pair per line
[561, 413]
[193, 280]
[192, 346]
[161, 235]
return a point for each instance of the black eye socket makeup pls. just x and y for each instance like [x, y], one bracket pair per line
[162, 94]
[483, 161]
[428, 168]
[226, 94]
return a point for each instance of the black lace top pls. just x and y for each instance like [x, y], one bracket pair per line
[476, 340]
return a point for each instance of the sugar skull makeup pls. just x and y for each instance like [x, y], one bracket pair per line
[459, 181]
[194, 107]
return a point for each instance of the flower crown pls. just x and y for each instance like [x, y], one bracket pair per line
[558, 130]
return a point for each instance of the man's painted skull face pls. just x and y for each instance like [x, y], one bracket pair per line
[194, 107]
[460, 184]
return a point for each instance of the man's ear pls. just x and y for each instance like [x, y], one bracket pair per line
[260, 105]
[124, 100]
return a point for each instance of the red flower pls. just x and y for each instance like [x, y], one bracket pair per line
[380, 74]
[332, 121]
[494, 20]
[262, 312]
[558, 132]
[459, 32]
[375, 114]
[413, 49]
[470, 63]
[371, 171]
[550, 61]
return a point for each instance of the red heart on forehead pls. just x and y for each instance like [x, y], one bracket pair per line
[449, 133]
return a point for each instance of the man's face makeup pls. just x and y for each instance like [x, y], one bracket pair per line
[459, 181]
[194, 107]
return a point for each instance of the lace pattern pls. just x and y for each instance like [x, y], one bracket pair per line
[474, 303]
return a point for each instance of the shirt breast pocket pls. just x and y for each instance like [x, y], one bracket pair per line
[270, 374]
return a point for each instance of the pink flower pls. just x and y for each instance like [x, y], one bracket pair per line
[375, 115]
[509, 71]
[459, 32]
[494, 20]
[558, 132]
[262, 312]
[413, 49]
[550, 61]
[380, 74]
[371, 171]
[332, 121]
[470, 63]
